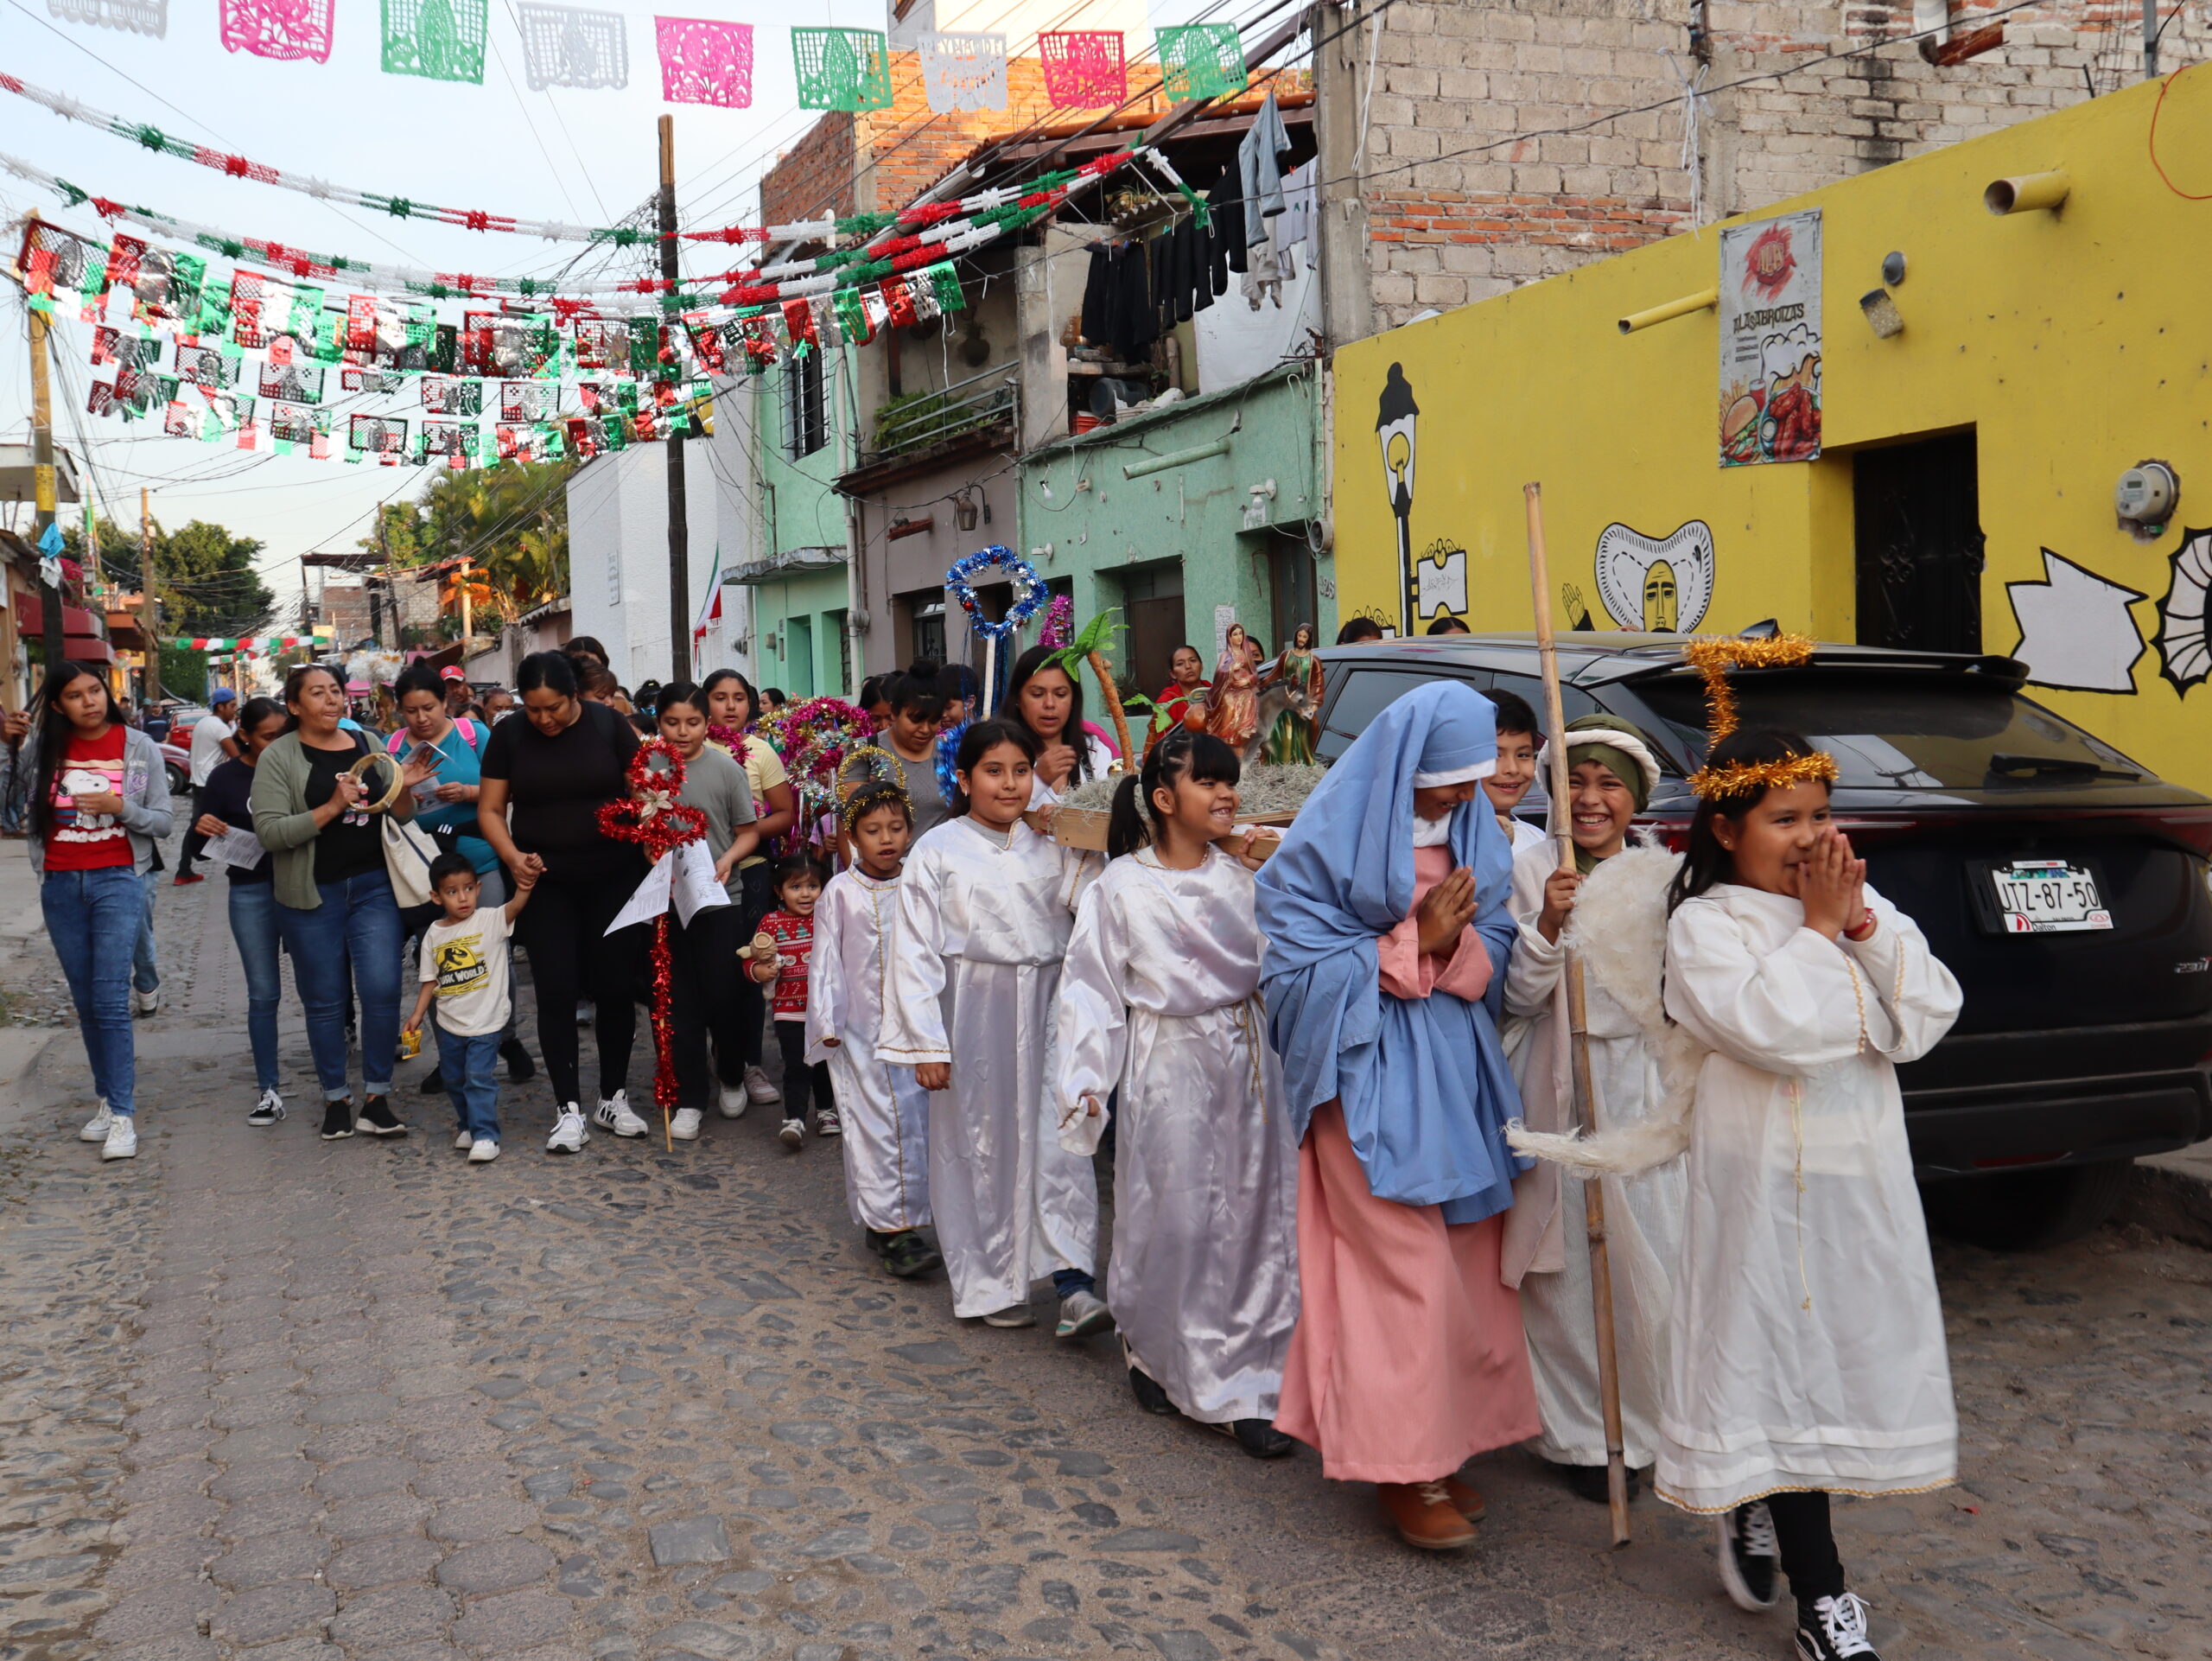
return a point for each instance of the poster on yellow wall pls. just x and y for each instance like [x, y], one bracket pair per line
[1770, 306]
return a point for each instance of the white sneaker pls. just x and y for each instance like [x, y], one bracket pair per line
[484, 1153]
[1082, 1314]
[145, 1003]
[614, 1114]
[462, 1140]
[794, 1135]
[734, 1101]
[96, 1127]
[122, 1139]
[568, 1133]
[758, 1087]
[685, 1126]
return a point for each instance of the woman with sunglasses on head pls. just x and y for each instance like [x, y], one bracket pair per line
[334, 904]
[98, 802]
[1046, 702]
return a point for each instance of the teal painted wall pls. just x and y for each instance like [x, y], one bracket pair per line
[1115, 538]
[804, 614]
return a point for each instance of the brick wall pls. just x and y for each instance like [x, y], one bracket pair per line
[1505, 145]
[882, 159]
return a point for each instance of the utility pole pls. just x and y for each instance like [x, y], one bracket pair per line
[679, 529]
[49, 594]
[149, 609]
[2150, 40]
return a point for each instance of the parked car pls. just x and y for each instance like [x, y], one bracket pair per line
[2067, 887]
[176, 760]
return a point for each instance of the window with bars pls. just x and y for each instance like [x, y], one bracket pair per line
[806, 417]
[840, 621]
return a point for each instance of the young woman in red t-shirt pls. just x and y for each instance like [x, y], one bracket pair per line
[100, 800]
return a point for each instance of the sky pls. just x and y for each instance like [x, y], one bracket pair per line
[582, 156]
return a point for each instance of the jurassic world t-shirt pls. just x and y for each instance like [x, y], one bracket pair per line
[87, 841]
[467, 962]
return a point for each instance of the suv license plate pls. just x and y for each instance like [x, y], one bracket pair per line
[2048, 896]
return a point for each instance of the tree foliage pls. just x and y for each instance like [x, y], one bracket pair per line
[512, 521]
[205, 575]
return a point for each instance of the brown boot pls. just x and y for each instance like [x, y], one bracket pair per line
[1424, 1515]
[1464, 1500]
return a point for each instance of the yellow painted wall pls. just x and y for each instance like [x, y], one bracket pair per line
[2076, 343]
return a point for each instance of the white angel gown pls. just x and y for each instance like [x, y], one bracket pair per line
[887, 1114]
[983, 918]
[1807, 1346]
[1643, 1214]
[1160, 996]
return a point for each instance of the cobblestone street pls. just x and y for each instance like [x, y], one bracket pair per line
[266, 1397]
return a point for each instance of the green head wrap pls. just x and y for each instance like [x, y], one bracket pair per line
[1621, 749]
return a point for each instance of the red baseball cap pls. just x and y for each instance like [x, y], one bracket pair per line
[452, 671]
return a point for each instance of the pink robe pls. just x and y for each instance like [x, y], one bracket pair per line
[1409, 1358]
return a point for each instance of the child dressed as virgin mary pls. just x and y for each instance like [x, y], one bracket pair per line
[1387, 937]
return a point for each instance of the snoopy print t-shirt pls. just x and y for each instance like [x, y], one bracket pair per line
[87, 841]
[468, 963]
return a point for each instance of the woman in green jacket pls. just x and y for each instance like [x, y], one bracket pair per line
[335, 906]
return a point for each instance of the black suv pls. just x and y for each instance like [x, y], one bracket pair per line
[2065, 886]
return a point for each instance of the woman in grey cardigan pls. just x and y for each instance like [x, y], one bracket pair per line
[100, 800]
[334, 906]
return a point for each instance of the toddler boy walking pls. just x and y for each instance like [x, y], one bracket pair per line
[464, 972]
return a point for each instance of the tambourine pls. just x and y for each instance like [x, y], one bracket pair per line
[360, 767]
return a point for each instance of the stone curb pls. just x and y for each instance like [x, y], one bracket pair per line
[2171, 1195]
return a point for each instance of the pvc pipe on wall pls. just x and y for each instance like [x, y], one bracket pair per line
[1176, 459]
[2029, 190]
[1704, 300]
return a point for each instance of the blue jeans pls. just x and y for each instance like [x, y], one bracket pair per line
[254, 926]
[145, 973]
[93, 918]
[470, 1067]
[348, 947]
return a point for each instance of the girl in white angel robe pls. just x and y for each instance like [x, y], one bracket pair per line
[1160, 997]
[886, 1113]
[985, 908]
[1616, 921]
[1805, 1352]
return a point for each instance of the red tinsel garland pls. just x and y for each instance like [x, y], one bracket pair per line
[652, 817]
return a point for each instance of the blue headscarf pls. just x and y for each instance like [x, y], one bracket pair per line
[1423, 1082]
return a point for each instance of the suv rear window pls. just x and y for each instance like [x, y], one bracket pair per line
[1367, 692]
[1906, 732]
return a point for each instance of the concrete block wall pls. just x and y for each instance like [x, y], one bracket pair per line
[1500, 146]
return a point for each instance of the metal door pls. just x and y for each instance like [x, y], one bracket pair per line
[1919, 542]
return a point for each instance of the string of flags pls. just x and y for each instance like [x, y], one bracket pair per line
[324, 632]
[704, 61]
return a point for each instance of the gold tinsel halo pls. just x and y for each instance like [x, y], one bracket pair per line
[1712, 656]
[882, 769]
[1742, 777]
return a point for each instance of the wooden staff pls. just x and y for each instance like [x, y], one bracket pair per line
[1585, 1098]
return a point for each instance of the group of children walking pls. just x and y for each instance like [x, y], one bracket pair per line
[1350, 1192]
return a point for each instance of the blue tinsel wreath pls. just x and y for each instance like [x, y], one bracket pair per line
[1030, 593]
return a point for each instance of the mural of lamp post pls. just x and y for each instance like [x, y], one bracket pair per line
[1394, 430]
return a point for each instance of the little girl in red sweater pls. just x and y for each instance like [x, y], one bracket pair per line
[798, 883]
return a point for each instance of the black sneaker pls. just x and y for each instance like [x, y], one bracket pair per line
[1150, 1397]
[1832, 1629]
[432, 1083]
[267, 1111]
[338, 1119]
[378, 1120]
[1259, 1438]
[520, 1067]
[906, 1255]
[1751, 1561]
